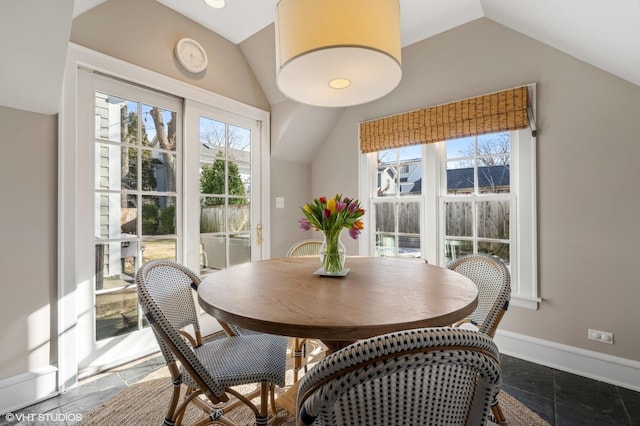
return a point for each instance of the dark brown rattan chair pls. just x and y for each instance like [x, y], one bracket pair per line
[208, 369]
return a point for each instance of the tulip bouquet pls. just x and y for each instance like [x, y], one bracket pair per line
[331, 216]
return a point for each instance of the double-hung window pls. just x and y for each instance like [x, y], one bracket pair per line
[443, 199]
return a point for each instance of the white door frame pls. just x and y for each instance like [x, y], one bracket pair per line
[74, 277]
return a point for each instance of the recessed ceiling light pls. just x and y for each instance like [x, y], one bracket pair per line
[216, 4]
[339, 83]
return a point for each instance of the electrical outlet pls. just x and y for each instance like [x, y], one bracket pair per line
[601, 336]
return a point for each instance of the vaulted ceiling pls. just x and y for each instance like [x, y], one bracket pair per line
[605, 34]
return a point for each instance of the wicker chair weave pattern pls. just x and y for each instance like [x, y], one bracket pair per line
[238, 360]
[153, 291]
[431, 376]
[175, 296]
[305, 248]
[494, 286]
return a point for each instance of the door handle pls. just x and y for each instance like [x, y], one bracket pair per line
[259, 234]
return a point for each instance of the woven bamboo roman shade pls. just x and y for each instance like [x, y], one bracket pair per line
[495, 112]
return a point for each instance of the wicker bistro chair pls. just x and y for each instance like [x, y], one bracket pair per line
[209, 369]
[431, 376]
[305, 248]
[493, 279]
[299, 344]
[494, 292]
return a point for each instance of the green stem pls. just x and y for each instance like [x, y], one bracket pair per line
[332, 260]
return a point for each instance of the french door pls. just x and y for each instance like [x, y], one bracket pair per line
[158, 178]
[224, 182]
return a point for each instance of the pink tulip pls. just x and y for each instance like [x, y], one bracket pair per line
[304, 224]
[353, 233]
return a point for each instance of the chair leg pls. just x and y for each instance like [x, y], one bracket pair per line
[172, 415]
[272, 397]
[297, 353]
[262, 416]
[498, 414]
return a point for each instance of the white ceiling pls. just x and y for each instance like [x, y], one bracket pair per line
[604, 33]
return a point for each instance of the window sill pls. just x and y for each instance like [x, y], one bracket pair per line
[526, 302]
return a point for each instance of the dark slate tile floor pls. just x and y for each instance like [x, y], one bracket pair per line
[565, 399]
[561, 398]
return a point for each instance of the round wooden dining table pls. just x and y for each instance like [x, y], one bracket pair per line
[286, 296]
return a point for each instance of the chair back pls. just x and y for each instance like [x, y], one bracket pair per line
[493, 279]
[305, 248]
[444, 376]
[165, 294]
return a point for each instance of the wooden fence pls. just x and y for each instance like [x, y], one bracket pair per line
[212, 219]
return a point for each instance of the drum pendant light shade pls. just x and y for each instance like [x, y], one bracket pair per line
[337, 53]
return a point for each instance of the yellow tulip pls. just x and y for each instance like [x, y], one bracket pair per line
[331, 205]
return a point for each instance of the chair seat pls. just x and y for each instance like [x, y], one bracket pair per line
[263, 359]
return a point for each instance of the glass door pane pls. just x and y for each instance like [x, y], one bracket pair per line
[225, 194]
[135, 204]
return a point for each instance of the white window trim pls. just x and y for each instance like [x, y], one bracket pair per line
[524, 279]
[71, 281]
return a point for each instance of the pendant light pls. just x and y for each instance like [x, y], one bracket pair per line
[337, 53]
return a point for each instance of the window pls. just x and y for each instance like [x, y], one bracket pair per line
[442, 200]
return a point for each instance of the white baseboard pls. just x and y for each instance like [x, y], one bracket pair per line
[28, 388]
[606, 368]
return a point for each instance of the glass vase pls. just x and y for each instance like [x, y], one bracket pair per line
[332, 253]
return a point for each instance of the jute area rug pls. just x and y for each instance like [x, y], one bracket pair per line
[145, 403]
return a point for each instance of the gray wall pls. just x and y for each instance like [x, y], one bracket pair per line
[28, 218]
[587, 173]
[144, 32]
[291, 181]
